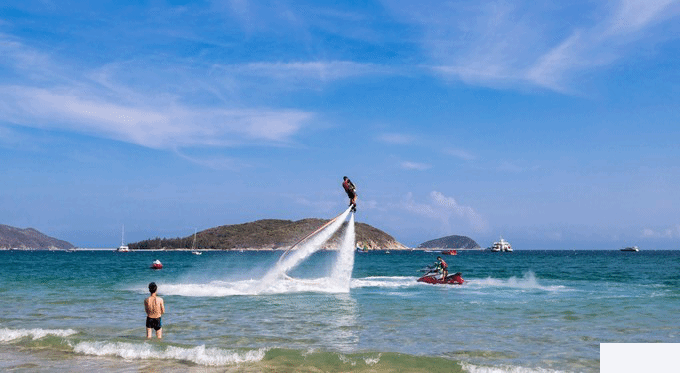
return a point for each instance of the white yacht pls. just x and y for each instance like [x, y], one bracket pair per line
[631, 248]
[501, 246]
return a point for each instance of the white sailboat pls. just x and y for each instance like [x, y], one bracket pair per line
[193, 246]
[123, 248]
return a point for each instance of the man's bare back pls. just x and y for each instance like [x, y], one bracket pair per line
[155, 308]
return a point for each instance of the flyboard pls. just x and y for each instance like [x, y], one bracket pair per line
[308, 236]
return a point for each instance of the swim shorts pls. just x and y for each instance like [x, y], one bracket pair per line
[153, 323]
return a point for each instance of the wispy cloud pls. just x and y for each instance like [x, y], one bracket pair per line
[460, 153]
[447, 211]
[303, 23]
[51, 96]
[301, 75]
[670, 232]
[171, 126]
[497, 43]
[407, 165]
[630, 16]
[608, 40]
[215, 162]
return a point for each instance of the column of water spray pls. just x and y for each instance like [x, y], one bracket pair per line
[341, 274]
[303, 251]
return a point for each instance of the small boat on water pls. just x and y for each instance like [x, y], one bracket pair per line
[156, 264]
[450, 252]
[501, 246]
[193, 246]
[631, 248]
[123, 248]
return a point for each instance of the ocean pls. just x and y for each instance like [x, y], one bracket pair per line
[527, 311]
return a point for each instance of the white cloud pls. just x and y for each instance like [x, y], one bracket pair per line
[215, 162]
[647, 232]
[670, 232]
[52, 96]
[166, 127]
[501, 44]
[305, 72]
[447, 211]
[415, 166]
[634, 15]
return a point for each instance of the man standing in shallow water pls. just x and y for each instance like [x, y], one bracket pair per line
[155, 308]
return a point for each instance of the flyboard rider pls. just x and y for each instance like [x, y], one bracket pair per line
[351, 191]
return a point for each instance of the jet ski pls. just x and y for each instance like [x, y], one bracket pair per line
[433, 276]
[436, 278]
[156, 264]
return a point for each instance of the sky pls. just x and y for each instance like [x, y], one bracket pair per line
[552, 124]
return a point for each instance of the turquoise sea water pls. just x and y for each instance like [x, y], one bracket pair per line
[527, 311]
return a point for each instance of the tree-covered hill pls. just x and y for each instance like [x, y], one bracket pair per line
[450, 242]
[269, 234]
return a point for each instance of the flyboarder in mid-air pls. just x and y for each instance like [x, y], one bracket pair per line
[351, 191]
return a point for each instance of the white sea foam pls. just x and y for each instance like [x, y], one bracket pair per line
[254, 287]
[504, 369]
[212, 289]
[385, 282]
[527, 282]
[7, 335]
[141, 351]
[347, 360]
[370, 361]
[334, 284]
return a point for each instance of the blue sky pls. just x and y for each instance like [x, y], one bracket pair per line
[555, 124]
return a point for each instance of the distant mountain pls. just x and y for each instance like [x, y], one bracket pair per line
[29, 238]
[270, 234]
[450, 242]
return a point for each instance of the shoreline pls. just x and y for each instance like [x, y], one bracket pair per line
[113, 249]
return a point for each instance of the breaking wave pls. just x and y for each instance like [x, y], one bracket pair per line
[7, 335]
[199, 355]
[504, 369]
